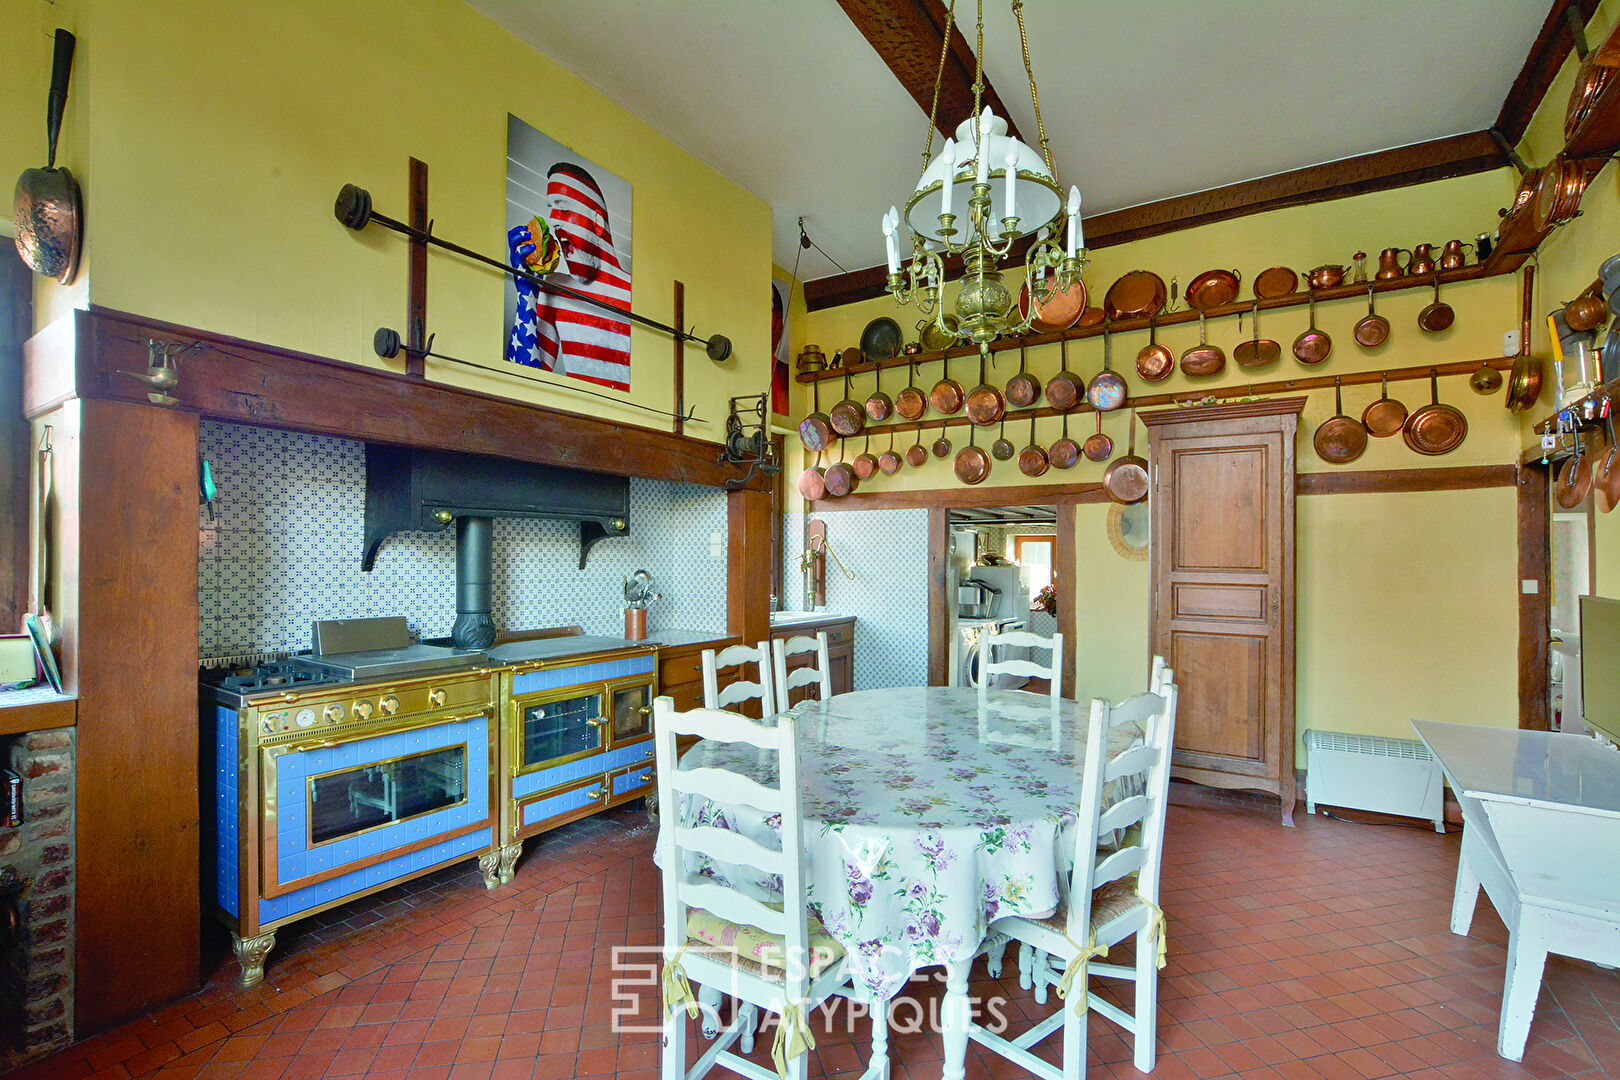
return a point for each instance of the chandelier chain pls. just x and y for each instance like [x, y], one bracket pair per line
[978, 78]
[1034, 93]
[939, 77]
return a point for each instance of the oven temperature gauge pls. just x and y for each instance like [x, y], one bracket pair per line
[304, 717]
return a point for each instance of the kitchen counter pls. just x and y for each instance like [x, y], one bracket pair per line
[676, 639]
[798, 618]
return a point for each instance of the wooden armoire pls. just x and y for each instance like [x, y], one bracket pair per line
[1221, 502]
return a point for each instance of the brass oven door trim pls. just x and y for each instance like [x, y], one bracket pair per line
[265, 835]
[514, 725]
[628, 682]
[521, 831]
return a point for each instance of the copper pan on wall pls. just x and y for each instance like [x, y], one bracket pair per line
[1032, 460]
[1023, 389]
[972, 464]
[848, 417]
[946, 396]
[1435, 429]
[815, 430]
[985, 405]
[1155, 362]
[911, 403]
[1386, 416]
[1063, 390]
[1341, 438]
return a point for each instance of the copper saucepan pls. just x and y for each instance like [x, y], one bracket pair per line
[879, 406]
[972, 464]
[815, 430]
[946, 396]
[1023, 389]
[1059, 311]
[1435, 315]
[1065, 452]
[1213, 288]
[813, 481]
[1341, 438]
[1107, 389]
[1606, 474]
[1126, 479]
[1435, 428]
[866, 462]
[1155, 362]
[1386, 416]
[1032, 459]
[1098, 446]
[911, 403]
[1257, 351]
[1002, 448]
[1574, 477]
[1586, 312]
[848, 417]
[1203, 359]
[942, 445]
[889, 460]
[985, 405]
[1373, 329]
[1063, 390]
[841, 478]
[1325, 276]
[1312, 346]
[917, 454]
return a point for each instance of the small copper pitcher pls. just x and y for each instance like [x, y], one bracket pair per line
[1421, 264]
[1389, 263]
[1452, 256]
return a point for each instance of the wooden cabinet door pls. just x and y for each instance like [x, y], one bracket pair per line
[841, 669]
[1223, 591]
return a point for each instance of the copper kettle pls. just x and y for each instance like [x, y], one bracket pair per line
[1421, 263]
[1389, 263]
[1452, 256]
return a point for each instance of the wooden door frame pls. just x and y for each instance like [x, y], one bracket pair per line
[1534, 497]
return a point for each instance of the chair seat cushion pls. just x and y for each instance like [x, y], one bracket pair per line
[759, 947]
[1107, 904]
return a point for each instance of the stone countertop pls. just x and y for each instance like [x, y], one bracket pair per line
[805, 618]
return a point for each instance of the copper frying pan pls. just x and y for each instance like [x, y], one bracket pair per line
[1155, 362]
[1574, 477]
[1002, 448]
[1065, 452]
[1373, 329]
[1384, 417]
[1023, 389]
[1126, 479]
[942, 445]
[848, 417]
[815, 431]
[917, 454]
[1606, 475]
[1341, 438]
[946, 396]
[1435, 428]
[972, 464]
[879, 406]
[1107, 390]
[889, 460]
[1032, 460]
[813, 481]
[1257, 351]
[911, 403]
[1063, 390]
[841, 478]
[985, 405]
[1098, 447]
[1313, 346]
[866, 462]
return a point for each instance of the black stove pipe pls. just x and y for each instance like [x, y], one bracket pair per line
[474, 628]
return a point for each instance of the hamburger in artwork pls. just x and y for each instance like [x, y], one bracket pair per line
[547, 252]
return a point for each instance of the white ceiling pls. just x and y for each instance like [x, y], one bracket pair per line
[1142, 101]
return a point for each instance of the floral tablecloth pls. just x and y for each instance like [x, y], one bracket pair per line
[927, 818]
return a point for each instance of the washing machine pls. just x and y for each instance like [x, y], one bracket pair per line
[967, 647]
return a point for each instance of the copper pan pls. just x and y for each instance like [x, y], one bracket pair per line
[848, 417]
[889, 460]
[1435, 428]
[942, 445]
[1257, 351]
[972, 464]
[1574, 477]
[1325, 276]
[1213, 288]
[1092, 316]
[1032, 460]
[1065, 452]
[1098, 447]
[1126, 479]
[1606, 474]
[1059, 311]
[841, 478]
[1589, 83]
[1373, 329]
[917, 454]
[1524, 381]
[1586, 312]
[1341, 438]
[911, 403]
[1203, 359]
[1558, 192]
[1155, 362]
[946, 396]
[1138, 294]
[1002, 448]
[879, 406]
[1063, 390]
[1436, 316]
[815, 431]
[985, 405]
[813, 481]
[1386, 416]
[1313, 346]
[866, 462]
[1023, 389]
[1274, 282]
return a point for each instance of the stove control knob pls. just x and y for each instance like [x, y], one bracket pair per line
[362, 710]
[334, 713]
[305, 717]
[389, 705]
[436, 697]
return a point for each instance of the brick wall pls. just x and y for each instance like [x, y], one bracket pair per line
[36, 868]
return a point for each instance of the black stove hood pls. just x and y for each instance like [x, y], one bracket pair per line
[428, 490]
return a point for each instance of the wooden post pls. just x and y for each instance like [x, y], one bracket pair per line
[748, 565]
[1535, 608]
[939, 620]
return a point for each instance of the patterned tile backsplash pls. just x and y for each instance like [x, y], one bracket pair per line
[886, 553]
[284, 549]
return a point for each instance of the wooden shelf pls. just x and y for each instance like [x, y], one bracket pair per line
[1495, 266]
[35, 709]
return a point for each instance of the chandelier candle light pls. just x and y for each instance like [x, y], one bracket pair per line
[984, 306]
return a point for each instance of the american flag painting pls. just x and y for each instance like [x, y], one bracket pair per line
[568, 220]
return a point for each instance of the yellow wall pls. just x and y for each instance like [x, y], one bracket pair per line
[219, 133]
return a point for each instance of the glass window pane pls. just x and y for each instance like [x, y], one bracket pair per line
[561, 728]
[353, 800]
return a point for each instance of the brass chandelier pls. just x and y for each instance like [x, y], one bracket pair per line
[1010, 192]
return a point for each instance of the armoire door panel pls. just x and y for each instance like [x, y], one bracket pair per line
[1221, 522]
[1195, 599]
[1221, 706]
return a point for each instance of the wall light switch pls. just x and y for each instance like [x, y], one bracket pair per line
[1510, 343]
[1529, 586]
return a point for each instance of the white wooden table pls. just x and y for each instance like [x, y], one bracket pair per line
[1541, 833]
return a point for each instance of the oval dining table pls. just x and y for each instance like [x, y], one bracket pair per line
[929, 813]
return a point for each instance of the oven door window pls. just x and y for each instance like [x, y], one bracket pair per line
[561, 729]
[632, 711]
[351, 801]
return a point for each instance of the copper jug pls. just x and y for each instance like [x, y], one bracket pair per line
[1452, 256]
[1389, 263]
[1421, 264]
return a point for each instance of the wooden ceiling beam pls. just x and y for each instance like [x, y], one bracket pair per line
[1454, 155]
[1547, 55]
[907, 35]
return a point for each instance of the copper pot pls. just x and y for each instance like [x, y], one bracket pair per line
[942, 445]
[1063, 390]
[1435, 315]
[1138, 294]
[1586, 312]
[1098, 446]
[1126, 479]
[1275, 281]
[879, 406]
[1032, 459]
[917, 454]
[1558, 192]
[1023, 389]
[1155, 362]
[1341, 438]
[1203, 359]
[1386, 416]
[985, 405]
[911, 403]
[1574, 477]
[1002, 448]
[1313, 346]
[889, 460]
[1435, 428]
[1107, 390]
[972, 464]
[1389, 264]
[1452, 256]
[815, 430]
[1092, 316]
[1213, 288]
[848, 417]
[1325, 276]
[1373, 329]
[866, 462]
[813, 482]
[841, 479]
[1065, 452]
[946, 396]
[1059, 311]
[1421, 263]
[1606, 474]
[1258, 351]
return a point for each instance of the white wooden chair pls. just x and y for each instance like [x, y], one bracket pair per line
[1112, 895]
[990, 667]
[739, 691]
[782, 975]
[817, 673]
